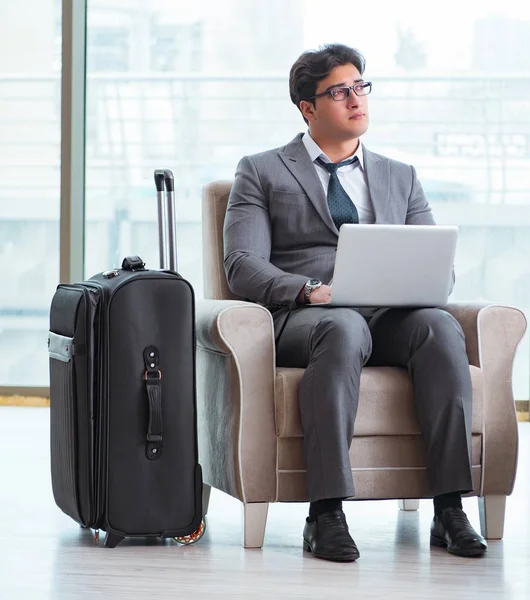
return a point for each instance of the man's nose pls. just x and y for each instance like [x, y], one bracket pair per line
[353, 100]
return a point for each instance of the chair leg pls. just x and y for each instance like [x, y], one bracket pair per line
[206, 489]
[409, 504]
[491, 512]
[254, 522]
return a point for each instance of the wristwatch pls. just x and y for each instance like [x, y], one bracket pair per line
[310, 286]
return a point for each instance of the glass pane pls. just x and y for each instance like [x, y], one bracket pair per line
[194, 86]
[29, 184]
[170, 85]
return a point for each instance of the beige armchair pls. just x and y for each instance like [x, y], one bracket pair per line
[250, 434]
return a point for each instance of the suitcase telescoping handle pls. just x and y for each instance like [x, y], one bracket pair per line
[167, 219]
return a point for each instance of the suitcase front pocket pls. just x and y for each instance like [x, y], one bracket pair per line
[63, 425]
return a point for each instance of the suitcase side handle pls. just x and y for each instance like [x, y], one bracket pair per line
[153, 384]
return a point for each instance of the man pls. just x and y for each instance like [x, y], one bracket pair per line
[281, 230]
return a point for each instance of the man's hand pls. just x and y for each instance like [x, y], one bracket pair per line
[321, 295]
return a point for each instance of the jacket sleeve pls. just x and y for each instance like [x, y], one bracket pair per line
[419, 211]
[247, 244]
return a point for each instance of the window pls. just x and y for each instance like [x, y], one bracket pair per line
[29, 186]
[207, 83]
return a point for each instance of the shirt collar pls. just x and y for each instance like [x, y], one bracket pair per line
[314, 151]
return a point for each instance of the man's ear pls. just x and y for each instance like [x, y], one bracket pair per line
[308, 110]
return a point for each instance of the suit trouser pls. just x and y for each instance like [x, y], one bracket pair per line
[333, 344]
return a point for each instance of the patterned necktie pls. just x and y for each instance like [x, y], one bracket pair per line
[341, 207]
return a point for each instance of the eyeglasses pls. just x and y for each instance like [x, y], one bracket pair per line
[363, 88]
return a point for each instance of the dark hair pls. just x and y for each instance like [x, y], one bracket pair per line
[314, 65]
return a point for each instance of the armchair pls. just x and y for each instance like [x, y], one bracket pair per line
[250, 433]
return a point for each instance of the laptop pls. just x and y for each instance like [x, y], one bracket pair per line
[393, 265]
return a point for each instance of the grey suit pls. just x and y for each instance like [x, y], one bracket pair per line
[278, 233]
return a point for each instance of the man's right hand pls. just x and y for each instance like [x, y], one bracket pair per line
[321, 295]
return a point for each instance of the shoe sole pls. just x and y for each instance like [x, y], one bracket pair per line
[350, 558]
[472, 552]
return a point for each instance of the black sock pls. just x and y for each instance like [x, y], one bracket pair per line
[323, 506]
[452, 500]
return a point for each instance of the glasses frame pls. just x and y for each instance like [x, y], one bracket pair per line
[351, 88]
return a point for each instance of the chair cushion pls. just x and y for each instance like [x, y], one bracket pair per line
[386, 405]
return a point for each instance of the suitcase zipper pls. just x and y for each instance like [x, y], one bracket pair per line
[99, 454]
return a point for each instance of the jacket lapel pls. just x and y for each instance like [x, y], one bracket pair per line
[378, 178]
[296, 159]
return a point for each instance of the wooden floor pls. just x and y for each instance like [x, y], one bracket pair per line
[44, 555]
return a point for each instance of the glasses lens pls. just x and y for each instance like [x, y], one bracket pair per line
[339, 94]
[363, 89]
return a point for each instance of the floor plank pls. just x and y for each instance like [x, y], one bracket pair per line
[44, 555]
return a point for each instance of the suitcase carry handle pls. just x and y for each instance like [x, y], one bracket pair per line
[153, 384]
[167, 219]
[132, 263]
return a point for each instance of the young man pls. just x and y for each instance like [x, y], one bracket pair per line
[280, 236]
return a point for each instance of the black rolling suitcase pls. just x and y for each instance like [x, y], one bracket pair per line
[124, 454]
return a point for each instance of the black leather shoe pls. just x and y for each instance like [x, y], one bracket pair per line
[328, 537]
[452, 529]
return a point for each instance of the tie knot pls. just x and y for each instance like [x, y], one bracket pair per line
[332, 167]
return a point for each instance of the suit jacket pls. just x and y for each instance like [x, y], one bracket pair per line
[278, 232]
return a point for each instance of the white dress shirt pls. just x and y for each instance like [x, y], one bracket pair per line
[351, 177]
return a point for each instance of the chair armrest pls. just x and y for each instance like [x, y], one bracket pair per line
[493, 333]
[235, 398]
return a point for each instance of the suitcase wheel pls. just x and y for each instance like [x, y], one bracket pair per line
[193, 537]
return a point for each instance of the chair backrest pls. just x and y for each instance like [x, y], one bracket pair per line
[214, 202]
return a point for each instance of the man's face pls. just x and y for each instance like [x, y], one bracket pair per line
[340, 120]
